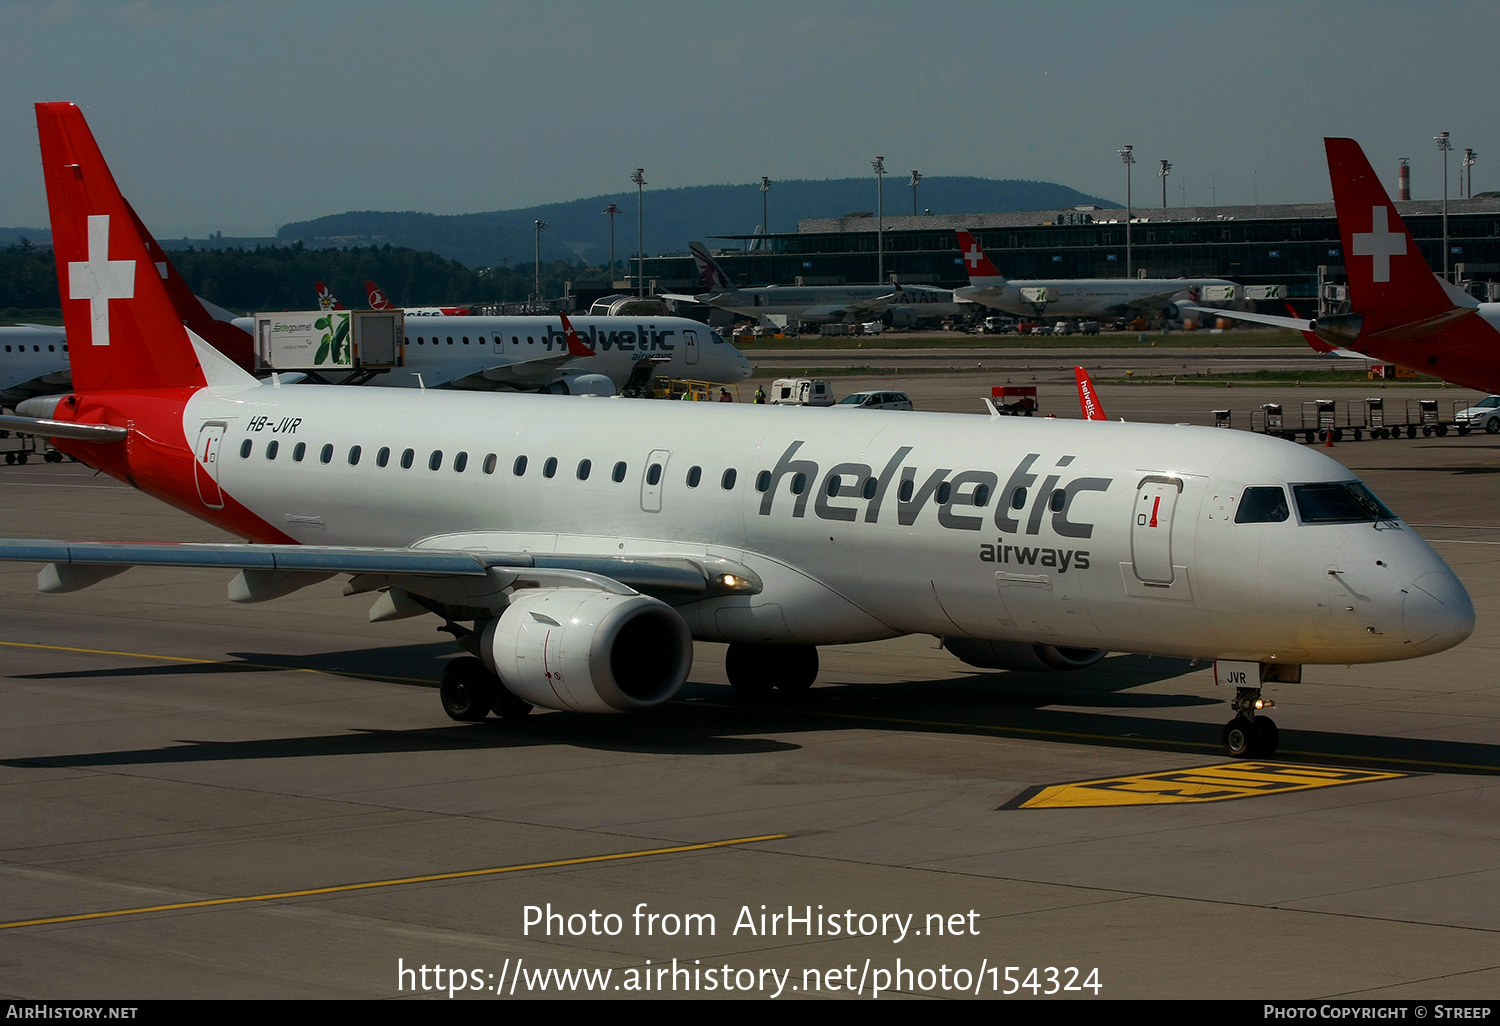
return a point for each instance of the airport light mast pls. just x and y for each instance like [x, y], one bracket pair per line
[537, 267]
[916, 176]
[1128, 158]
[765, 190]
[638, 176]
[1166, 169]
[1469, 157]
[1444, 146]
[611, 210]
[879, 165]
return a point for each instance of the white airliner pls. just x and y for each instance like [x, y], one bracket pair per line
[576, 547]
[899, 306]
[1081, 297]
[33, 361]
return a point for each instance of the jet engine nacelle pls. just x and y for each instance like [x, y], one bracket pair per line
[588, 651]
[584, 384]
[1019, 655]
[899, 317]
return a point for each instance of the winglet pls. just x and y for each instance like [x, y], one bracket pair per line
[575, 343]
[376, 297]
[1088, 398]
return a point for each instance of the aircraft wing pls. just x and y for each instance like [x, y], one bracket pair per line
[270, 571]
[1276, 320]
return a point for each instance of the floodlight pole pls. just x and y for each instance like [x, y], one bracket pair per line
[611, 210]
[879, 165]
[638, 176]
[1128, 158]
[916, 176]
[537, 267]
[1444, 146]
[1166, 169]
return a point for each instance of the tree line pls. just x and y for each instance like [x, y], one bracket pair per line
[281, 278]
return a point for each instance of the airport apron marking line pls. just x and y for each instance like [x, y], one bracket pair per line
[1195, 785]
[368, 885]
[224, 662]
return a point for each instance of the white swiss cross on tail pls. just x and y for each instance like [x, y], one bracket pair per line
[974, 257]
[100, 279]
[1381, 243]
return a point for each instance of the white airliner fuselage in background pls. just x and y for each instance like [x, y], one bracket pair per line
[1081, 297]
[33, 361]
[588, 541]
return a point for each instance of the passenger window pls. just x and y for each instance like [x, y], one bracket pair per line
[694, 476]
[421, 341]
[1018, 499]
[435, 461]
[326, 455]
[833, 485]
[460, 461]
[1059, 498]
[799, 484]
[981, 495]
[869, 489]
[619, 472]
[466, 340]
[271, 448]
[489, 463]
[904, 492]
[298, 451]
[520, 466]
[549, 469]
[763, 481]
[584, 466]
[354, 452]
[408, 457]
[383, 457]
[727, 481]
[944, 492]
[450, 340]
[245, 449]
[1262, 505]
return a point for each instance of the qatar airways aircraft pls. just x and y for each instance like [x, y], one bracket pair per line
[1399, 310]
[1081, 297]
[576, 547]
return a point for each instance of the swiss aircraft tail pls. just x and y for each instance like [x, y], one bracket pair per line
[575, 343]
[377, 298]
[1390, 284]
[982, 272]
[326, 299]
[712, 276]
[123, 331]
[1088, 398]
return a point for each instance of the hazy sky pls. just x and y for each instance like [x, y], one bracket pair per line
[239, 116]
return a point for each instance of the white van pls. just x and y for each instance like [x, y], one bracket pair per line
[800, 392]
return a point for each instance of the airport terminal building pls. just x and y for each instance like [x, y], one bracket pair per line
[1295, 246]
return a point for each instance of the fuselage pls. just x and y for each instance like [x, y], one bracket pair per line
[821, 304]
[1089, 297]
[1083, 534]
[33, 360]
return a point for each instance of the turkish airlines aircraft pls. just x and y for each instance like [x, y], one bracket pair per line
[1080, 297]
[1400, 311]
[378, 301]
[577, 547]
[899, 306]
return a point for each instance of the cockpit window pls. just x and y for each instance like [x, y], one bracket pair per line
[1262, 505]
[1347, 502]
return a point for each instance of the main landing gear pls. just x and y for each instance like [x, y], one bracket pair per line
[1250, 735]
[470, 692]
[755, 669]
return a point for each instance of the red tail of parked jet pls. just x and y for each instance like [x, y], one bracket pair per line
[376, 297]
[1399, 310]
[327, 300]
[982, 270]
[379, 301]
[1088, 398]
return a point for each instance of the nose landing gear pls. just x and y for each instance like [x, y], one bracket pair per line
[1250, 735]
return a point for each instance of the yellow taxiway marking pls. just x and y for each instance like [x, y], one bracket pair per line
[368, 885]
[220, 662]
[1199, 784]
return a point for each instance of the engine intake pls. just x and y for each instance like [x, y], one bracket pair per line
[1019, 655]
[588, 651]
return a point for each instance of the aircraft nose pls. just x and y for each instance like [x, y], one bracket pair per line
[1436, 612]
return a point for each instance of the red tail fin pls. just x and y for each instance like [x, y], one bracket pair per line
[1087, 397]
[326, 299]
[123, 331]
[575, 343]
[1389, 282]
[376, 297]
[975, 262]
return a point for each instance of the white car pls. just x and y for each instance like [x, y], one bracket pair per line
[877, 401]
[1485, 414]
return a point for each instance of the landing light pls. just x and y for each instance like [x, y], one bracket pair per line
[733, 582]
